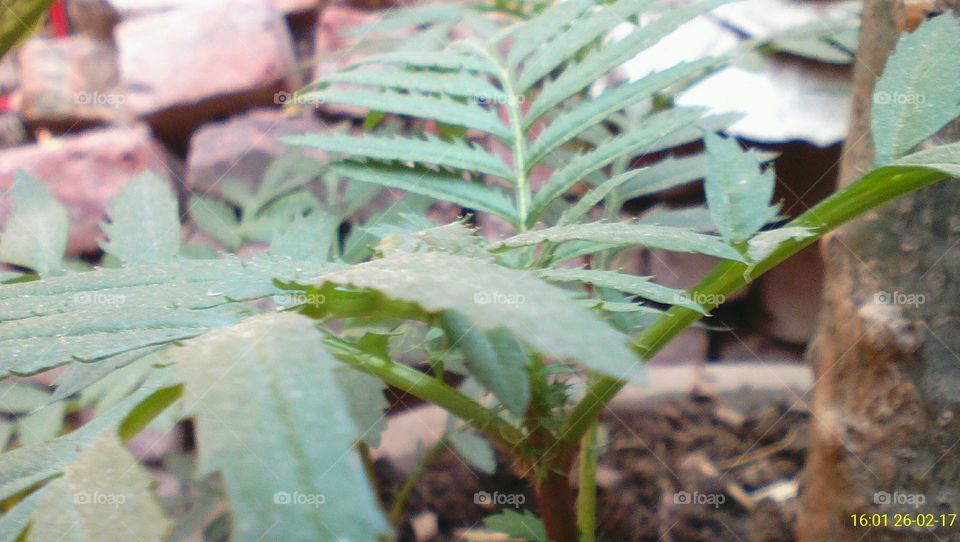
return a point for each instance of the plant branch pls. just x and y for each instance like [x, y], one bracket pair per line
[587, 486]
[400, 500]
[872, 190]
[430, 389]
[524, 194]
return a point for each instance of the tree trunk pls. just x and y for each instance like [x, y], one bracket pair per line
[886, 404]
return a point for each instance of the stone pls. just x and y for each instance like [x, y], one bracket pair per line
[184, 67]
[243, 147]
[68, 81]
[790, 297]
[84, 172]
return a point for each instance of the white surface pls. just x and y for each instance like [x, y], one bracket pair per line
[783, 98]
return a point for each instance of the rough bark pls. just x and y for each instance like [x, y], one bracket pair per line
[886, 404]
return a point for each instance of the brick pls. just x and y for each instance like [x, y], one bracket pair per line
[69, 80]
[183, 67]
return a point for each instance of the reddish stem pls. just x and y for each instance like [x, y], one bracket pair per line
[557, 507]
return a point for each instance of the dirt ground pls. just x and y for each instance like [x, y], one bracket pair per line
[693, 468]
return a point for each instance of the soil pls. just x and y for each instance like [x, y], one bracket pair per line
[692, 468]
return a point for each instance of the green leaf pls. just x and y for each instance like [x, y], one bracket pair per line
[144, 225]
[945, 158]
[421, 106]
[363, 237]
[15, 520]
[403, 149]
[457, 83]
[567, 43]
[492, 297]
[22, 18]
[26, 466]
[518, 525]
[617, 233]
[569, 124]
[80, 376]
[594, 197]
[456, 238]
[664, 175]
[578, 76]
[102, 493]
[496, 359]
[654, 127]
[764, 243]
[308, 238]
[473, 449]
[918, 92]
[253, 388]
[35, 233]
[533, 34]
[738, 193]
[20, 398]
[94, 315]
[433, 60]
[42, 425]
[631, 284]
[366, 402]
[216, 218]
[435, 184]
[407, 17]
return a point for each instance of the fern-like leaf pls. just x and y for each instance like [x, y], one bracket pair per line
[436, 184]
[253, 388]
[655, 127]
[623, 234]
[401, 149]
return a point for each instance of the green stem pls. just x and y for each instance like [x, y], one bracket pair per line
[587, 486]
[523, 190]
[400, 501]
[874, 189]
[430, 389]
[524, 193]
